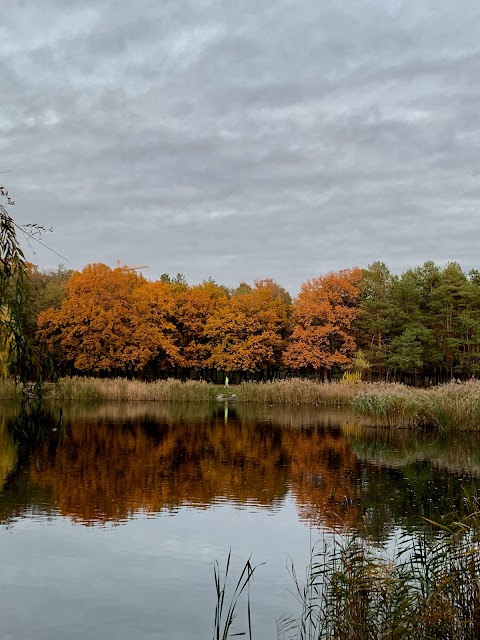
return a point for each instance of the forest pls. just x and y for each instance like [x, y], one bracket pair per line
[421, 327]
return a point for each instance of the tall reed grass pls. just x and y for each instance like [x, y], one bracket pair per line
[89, 389]
[428, 588]
[300, 391]
[226, 610]
[353, 591]
[294, 391]
[9, 390]
[452, 406]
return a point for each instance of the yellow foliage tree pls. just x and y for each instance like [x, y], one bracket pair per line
[247, 331]
[194, 307]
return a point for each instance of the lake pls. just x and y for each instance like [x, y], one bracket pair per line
[111, 523]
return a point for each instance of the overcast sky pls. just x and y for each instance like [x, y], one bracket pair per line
[244, 139]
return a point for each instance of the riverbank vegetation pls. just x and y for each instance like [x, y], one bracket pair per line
[78, 388]
[300, 391]
[453, 406]
[426, 588]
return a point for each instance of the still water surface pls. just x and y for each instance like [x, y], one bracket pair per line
[110, 525]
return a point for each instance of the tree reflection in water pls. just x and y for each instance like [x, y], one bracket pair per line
[115, 460]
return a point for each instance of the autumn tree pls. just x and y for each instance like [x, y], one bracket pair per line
[112, 321]
[276, 290]
[194, 307]
[420, 326]
[323, 314]
[247, 331]
[155, 336]
[93, 323]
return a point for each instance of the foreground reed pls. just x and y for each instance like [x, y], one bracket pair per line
[225, 613]
[428, 588]
[354, 592]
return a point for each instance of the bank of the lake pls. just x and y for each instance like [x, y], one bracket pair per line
[452, 406]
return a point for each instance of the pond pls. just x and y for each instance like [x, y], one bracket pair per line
[111, 523]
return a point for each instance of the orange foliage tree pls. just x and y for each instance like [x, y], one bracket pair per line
[323, 313]
[155, 335]
[111, 321]
[248, 331]
[194, 306]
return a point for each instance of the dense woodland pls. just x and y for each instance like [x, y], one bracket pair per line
[419, 327]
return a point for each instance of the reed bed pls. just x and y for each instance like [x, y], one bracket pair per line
[115, 389]
[300, 391]
[393, 405]
[9, 390]
[452, 406]
[294, 391]
[427, 587]
[353, 591]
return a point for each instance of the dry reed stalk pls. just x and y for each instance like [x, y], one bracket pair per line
[429, 588]
[117, 389]
[299, 391]
[453, 406]
[9, 390]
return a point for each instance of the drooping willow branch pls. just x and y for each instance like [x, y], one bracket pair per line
[20, 356]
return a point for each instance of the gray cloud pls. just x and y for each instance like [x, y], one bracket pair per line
[240, 140]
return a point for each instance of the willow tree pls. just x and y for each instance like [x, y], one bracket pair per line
[17, 354]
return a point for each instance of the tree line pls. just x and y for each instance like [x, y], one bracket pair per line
[422, 326]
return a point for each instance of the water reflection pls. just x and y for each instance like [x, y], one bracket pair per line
[8, 451]
[115, 460]
[458, 453]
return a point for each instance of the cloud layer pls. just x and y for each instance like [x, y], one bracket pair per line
[241, 140]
